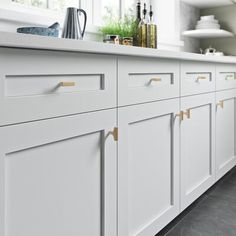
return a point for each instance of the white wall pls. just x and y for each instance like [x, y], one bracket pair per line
[167, 18]
[189, 15]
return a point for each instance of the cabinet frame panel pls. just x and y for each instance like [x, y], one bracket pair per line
[126, 116]
[63, 129]
[224, 96]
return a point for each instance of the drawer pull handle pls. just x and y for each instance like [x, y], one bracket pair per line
[229, 77]
[67, 84]
[114, 133]
[221, 104]
[188, 113]
[181, 115]
[155, 80]
[201, 78]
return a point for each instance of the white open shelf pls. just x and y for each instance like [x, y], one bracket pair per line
[208, 33]
[209, 3]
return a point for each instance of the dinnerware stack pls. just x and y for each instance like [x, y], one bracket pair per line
[207, 22]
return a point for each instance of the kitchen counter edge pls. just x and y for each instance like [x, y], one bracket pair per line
[14, 40]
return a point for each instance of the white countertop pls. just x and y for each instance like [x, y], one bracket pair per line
[49, 43]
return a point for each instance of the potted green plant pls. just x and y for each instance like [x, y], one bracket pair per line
[119, 30]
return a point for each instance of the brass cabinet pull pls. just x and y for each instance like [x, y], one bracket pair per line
[229, 77]
[201, 78]
[114, 133]
[220, 104]
[188, 113]
[155, 80]
[67, 84]
[181, 115]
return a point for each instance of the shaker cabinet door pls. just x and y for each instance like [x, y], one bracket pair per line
[225, 131]
[58, 177]
[197, 147]
[148, 167]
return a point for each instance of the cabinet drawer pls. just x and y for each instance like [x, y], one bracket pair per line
[43, 84]
[143, 80]
[197, 78]
[225, 77]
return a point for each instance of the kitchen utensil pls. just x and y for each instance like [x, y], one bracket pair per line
[72, 26]
[52, 30]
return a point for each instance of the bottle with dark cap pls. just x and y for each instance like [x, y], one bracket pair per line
[151, 31]
[142, 29]
[138, 19]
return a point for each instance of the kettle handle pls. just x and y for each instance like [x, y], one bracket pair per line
[85, 20]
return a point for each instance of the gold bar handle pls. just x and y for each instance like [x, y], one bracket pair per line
[67, 84]
[201, 78]
[229, 77]
[220, 104]
[155, 80]
[188, 113]
[114, 133]
[181, 115]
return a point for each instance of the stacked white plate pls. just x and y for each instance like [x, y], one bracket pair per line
[208, 22]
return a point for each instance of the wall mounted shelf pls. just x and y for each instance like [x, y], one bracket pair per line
[207, 33]
[209, 3]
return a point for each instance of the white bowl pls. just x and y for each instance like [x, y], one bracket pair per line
[208, 22]
[200, 24]
[211, 17]
[207, 26]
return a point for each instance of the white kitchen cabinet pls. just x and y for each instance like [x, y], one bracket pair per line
[37, 85]
[58, 177]
[225, 131]
[61, 171]
[197, 77]
[197, 146]
[148, 167]
[225, 77]
[145, 80]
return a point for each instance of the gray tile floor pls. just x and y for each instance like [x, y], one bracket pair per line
[213, 214]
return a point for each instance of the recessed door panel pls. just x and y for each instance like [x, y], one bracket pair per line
[197, 147]
[55, 189]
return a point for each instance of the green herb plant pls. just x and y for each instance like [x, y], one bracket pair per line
[124, 27]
